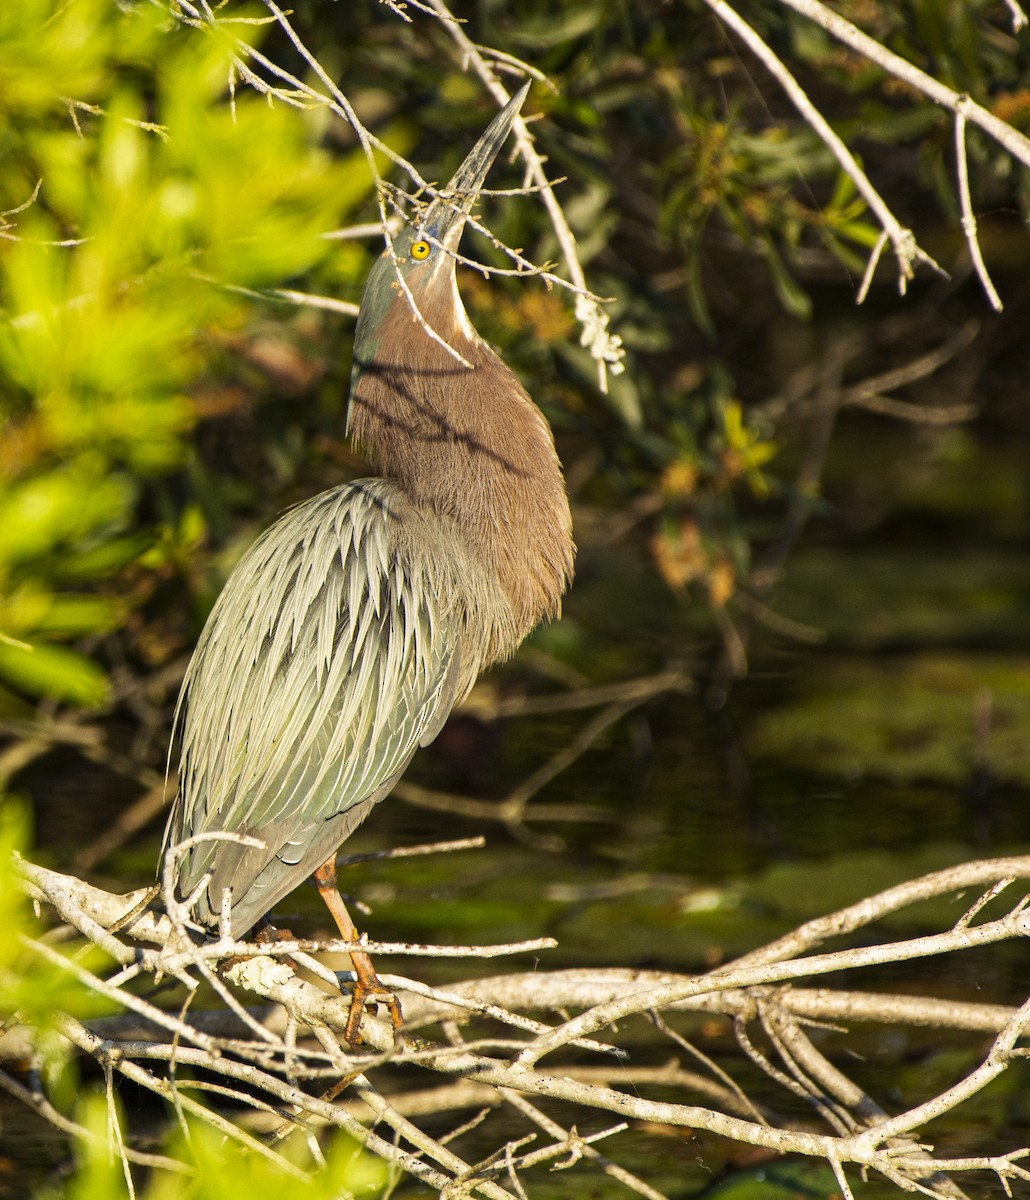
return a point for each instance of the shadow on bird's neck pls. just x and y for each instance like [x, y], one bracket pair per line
[467, 443]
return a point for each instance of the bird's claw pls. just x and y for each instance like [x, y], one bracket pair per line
[366, 994]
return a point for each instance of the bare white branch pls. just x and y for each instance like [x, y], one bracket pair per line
[265, 1071]
[1017, 14]
[1016, 143]
[965, 200]
[906, 250]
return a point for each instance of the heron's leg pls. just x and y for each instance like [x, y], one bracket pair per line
[366, 982]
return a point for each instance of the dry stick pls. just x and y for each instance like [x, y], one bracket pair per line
[345, 308]
[554, 1130]
[42, 1106]
[906, 249]
[866, 282]
[996, 1061]
[1014, 142]
[446, 1158]
[842, 1180]
[647, 687]
[1004, 1165]
[489, 810]
[438, 1098]
[635, 1107]
[796, 1081]
[288, 947]
[910, 372]
[583, 988]
[114, 1129]
[451, 1000]
[37, 737]
[513, 808]
[87, 925]
[1019, 18]
[870, 389]
[1014, 925]
[725, 1081]
[519, 64]
[966, 203]
[836, 1084]
[134, 1003]
[178, 911]
[329, 303]
[982, 901]
[855, 916]
[451, 847]
[80, 1036]
[916, 414]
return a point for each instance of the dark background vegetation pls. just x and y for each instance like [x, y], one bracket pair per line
[817, 514]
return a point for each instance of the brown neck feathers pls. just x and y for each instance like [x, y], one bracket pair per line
[470, 445]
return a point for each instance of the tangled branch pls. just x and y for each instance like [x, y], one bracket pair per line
[480, 1044]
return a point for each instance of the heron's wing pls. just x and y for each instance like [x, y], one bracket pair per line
[328, 657]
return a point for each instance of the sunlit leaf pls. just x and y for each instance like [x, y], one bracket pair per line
[58, 672]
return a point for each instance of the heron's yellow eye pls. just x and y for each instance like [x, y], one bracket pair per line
[419, 251]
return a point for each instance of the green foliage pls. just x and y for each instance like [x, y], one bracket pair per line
[153, 196]
[750, 181]
[34, 989]
[348, 1170]
[213, 1163]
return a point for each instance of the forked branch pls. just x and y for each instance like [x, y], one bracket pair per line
[493, 1042]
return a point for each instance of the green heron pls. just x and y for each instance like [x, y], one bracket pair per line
[352, 627]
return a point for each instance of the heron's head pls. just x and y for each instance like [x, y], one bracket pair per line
[423, 254]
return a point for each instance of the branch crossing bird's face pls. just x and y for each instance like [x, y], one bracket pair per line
[421, 258]
[421, 251]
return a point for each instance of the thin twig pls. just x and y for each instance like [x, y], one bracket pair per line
[1016, 143]
[907, 252]
[966, 203]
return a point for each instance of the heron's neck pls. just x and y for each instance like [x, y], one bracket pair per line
[470, 445]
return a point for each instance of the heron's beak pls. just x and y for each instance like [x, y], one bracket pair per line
[445, 217]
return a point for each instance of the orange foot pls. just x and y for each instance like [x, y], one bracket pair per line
[367, 987]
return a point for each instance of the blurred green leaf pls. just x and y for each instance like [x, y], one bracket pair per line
[40, 514]
[349, 1170]
[27, 609]
[166, 199]
[50, 670]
